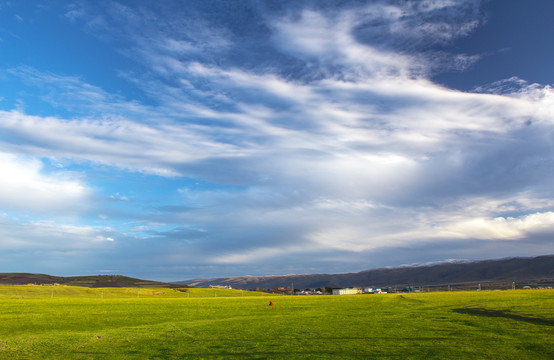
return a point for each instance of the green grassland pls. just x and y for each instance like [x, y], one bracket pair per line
[223, 324]
[44, 292]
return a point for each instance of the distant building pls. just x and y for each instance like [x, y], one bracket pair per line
[348, 291]
[221, 286]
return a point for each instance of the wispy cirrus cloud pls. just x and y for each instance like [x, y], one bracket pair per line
[380, 39]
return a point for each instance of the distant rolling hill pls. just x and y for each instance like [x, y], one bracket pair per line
[488, 271]
[86, 281]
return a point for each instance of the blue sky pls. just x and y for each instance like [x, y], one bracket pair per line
[176, 140]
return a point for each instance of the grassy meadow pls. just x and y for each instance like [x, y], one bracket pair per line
[81, 323]
[51, 292]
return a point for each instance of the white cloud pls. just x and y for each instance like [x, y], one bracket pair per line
[254, 255]
[154, 149]
[330, 40]
[25, 187]
[50, 236]
[380, 39]
[498, 228]
[402, 231]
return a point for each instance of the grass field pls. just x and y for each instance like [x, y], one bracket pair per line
[203, 324]
[51, 292]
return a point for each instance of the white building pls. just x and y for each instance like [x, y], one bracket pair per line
[348, 291]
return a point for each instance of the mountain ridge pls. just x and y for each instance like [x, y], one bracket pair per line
[93, 281]
[514, 269]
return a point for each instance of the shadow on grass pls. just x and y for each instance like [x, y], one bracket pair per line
[504, 314]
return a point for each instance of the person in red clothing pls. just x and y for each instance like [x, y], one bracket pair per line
[270, 303]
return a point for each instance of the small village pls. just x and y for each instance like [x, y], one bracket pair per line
[327, 290]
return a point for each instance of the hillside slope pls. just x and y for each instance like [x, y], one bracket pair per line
[87, 281]
[503, 270]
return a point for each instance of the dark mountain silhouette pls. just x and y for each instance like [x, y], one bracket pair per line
[86, 281]
[501, 271]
